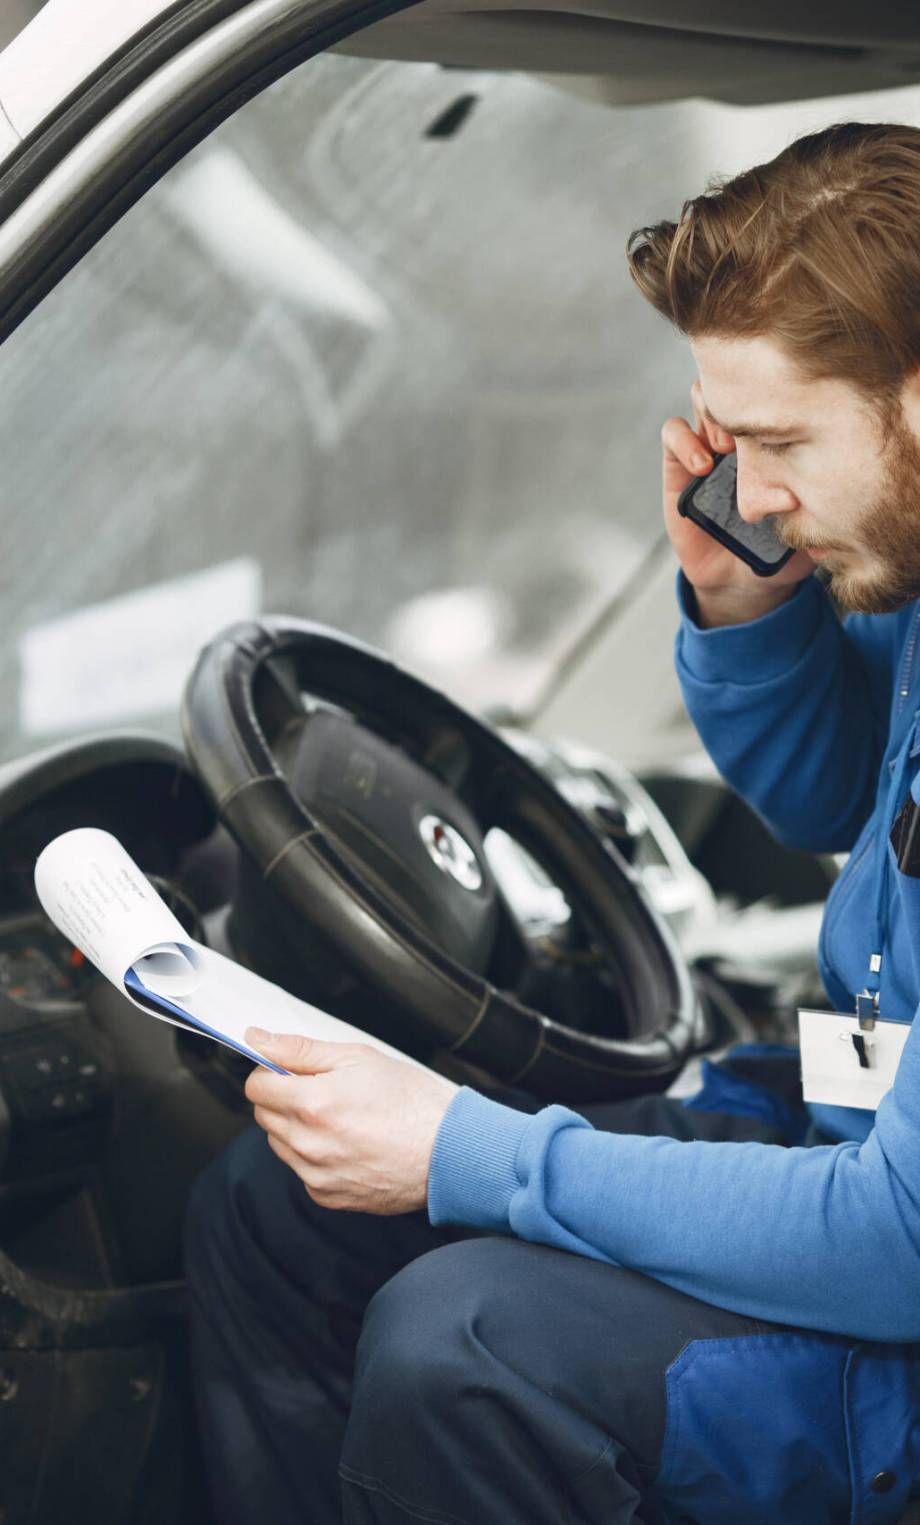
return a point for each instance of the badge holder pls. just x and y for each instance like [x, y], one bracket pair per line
[851, 1060]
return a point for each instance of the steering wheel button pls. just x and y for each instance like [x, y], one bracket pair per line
[39, 1066]
[30, 1068]
[72, 1100]
[45, 1105]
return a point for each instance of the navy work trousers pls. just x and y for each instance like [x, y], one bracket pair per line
[357, 1369]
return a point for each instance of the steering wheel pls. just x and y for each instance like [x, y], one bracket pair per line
[360, 797]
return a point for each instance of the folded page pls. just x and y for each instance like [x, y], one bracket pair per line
[96, 895]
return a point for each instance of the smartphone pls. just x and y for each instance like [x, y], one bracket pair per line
[712, 503]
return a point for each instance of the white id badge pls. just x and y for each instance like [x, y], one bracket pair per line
[844, 1064]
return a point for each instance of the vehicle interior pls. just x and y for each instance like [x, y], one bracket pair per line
[330, 507]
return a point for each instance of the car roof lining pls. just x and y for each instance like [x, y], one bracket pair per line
[732, 50]
[717, 48]
[849, 24]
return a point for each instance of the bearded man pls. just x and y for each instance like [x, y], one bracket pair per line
[420, 1302]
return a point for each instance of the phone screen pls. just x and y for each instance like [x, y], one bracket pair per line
[712, 503]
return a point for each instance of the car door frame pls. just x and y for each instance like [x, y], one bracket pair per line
[106, 138]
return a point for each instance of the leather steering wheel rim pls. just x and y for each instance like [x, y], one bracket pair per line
[265, 665]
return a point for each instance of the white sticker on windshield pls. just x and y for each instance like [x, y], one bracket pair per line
[129, 656]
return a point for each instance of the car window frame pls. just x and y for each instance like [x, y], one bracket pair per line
[95, 156]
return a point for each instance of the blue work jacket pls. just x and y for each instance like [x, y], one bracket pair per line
[814, 722]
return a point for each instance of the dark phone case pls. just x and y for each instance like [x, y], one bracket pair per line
[687, 508]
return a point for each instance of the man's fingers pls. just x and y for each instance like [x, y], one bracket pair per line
[271, 1121]
[706, 427]
[300, 1055]
[699, 409]
[293, 1133]
[285, 1153]
[318, 1184]
[684, 448]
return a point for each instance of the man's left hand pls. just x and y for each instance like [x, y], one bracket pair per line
[356, 1125]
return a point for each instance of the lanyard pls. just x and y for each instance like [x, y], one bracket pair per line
[867, 1005]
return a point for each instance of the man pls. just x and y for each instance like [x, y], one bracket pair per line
[675, 1314]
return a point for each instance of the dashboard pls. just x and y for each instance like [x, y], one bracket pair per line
[57, 1075]
[37, 967]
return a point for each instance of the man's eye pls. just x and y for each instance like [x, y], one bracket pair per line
[772, 449]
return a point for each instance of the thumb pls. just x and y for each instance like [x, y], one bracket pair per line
[298, 1053]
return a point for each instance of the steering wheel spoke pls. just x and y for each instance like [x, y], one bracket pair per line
[448, 755]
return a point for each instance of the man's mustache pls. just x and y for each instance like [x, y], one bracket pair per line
[789, 535]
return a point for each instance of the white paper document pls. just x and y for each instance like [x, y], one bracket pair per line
[98, 898]
[844, 1073]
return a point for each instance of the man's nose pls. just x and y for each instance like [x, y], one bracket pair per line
[759, 497]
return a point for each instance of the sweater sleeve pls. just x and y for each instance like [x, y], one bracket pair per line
[792, 709]
[825, 1238]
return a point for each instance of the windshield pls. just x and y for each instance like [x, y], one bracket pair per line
[369, 356]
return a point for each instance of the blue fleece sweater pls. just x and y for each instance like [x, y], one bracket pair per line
[806, 718]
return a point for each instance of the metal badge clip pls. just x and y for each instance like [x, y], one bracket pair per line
[867, 1014]
[867, 1011]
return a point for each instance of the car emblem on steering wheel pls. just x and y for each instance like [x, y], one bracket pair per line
[450, 852]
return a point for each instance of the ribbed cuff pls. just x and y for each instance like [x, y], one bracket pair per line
[757, 651]
[472, 1177]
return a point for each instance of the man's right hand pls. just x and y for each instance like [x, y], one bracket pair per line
[727, 591]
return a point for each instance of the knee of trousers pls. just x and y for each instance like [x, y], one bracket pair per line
[431, 1334]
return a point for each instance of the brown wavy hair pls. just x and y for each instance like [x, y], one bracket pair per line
[819, 249]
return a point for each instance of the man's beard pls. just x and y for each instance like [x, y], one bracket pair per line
[889, 534]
